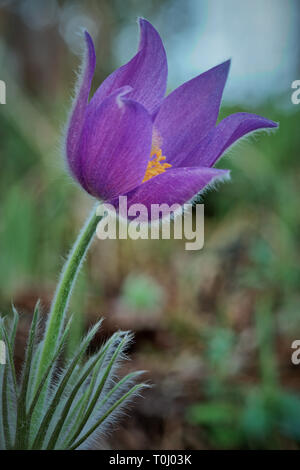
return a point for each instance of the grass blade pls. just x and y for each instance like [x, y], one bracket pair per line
[118, 403]
[99, 390]
[41, 433]
[89, 391]
[58, 351]
[22, 433]
[6, 398]
[95, 364]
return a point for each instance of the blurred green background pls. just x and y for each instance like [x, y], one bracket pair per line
[214, 328]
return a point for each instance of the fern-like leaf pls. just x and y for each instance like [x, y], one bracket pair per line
[79, 402]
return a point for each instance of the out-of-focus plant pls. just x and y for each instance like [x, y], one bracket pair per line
[141, 292]
[237, 415]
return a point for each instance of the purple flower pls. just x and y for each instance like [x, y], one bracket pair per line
[131, 140]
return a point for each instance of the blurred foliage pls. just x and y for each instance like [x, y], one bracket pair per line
[253, 415]
[141, 292]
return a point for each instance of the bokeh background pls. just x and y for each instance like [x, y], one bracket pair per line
[213, 328]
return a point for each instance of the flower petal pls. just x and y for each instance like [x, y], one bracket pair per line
[174, 186]
[190, 112]
[77, 115]
[115, 146]
[228, 131]
[146, 72]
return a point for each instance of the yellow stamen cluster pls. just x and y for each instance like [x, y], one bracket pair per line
[155, 167]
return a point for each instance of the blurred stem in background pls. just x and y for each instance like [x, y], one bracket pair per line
[265, 339]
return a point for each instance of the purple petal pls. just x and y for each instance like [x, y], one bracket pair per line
[223, 136]
[115, 146]
[77, 115]
[146, 72]
[190, 112]
[174, 186]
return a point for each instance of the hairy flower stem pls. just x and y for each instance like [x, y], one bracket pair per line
[63, 293]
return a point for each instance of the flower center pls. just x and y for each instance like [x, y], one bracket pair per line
[156, 164]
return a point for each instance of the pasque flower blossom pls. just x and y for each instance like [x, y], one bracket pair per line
[131, 140]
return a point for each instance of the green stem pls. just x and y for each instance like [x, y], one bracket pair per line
[63, 293]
